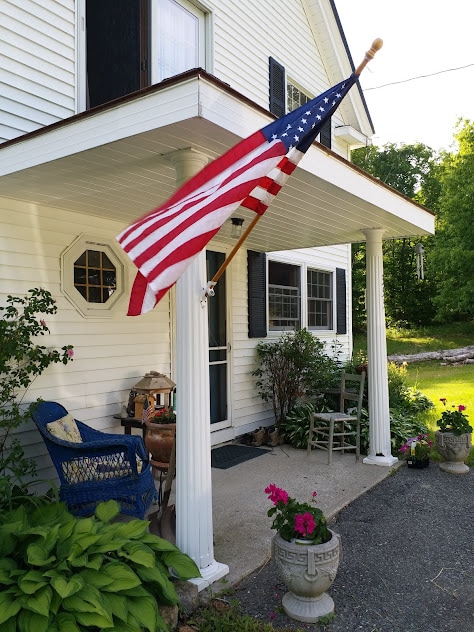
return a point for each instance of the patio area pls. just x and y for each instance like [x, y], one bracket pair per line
[242, 532]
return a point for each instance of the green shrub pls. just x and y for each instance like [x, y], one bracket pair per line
[291, 367]
[59, 573]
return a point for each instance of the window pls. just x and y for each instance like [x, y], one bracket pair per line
[320, 301]
[92, 276]
[178, 38]
[295, 97]
[133, 44]
[284, 296]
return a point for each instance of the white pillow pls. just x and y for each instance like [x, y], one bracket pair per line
[65, 429]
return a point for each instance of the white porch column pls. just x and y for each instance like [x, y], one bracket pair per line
[194, 528]
[379, 418]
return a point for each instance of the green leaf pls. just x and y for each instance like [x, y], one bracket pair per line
[94, 619]
[95, 578]
[123, 577]
[40, 601]
[109, 545]
[166, 588]
[117, 604]
[9, 606]
[107, 511]
[87, 600]
[145, 611]
[66, 622]
[31, 582]
[85, 525]
[10, 625]
[139, 553]
[66, 588]
[32, 622]
[38, 555]
[182, 565]
[132, 530]
[157, 544]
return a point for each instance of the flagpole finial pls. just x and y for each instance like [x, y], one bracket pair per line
[376, 46]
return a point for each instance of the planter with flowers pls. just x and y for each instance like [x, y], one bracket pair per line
[416, 451]
[160, 435]
[306, 554]
[454, 439]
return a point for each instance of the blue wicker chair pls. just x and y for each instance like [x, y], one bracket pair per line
[96, 466]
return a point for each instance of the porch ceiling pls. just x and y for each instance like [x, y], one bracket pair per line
[112, 162]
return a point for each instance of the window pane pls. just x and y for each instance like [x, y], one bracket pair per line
[320, 304]
[177, 39]
[284, 296]
[91, 280]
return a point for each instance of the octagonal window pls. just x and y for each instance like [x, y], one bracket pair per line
[92, 276]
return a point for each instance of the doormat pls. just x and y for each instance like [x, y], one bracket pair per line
[229, 455]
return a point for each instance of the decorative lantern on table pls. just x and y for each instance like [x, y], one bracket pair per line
[149, 386]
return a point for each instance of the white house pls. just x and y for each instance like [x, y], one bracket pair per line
[105, 109]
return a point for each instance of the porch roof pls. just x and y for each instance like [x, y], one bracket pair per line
[113, 162]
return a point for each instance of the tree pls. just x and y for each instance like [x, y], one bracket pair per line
[413, 171]
[452, 256]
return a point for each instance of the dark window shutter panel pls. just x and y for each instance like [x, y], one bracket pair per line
[341, 319]
[277, 88]
[325, 134]
[257, 294]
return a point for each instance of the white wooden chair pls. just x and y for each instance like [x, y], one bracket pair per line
[328, 431]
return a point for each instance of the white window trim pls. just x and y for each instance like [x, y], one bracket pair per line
[70, 255]
[304, 267]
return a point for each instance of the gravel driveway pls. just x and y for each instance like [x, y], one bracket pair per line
[407, 565]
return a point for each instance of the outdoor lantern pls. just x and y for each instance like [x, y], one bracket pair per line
[150, 385]
[236, 229]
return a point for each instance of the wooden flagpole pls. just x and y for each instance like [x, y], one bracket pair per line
[376, 46]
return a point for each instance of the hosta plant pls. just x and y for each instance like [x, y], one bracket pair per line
[60, 573]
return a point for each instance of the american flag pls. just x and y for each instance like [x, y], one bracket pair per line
[164, 242]
[148, 410]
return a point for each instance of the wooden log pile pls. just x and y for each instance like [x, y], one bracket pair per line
[454, 357]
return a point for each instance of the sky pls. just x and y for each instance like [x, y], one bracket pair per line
[421, 37]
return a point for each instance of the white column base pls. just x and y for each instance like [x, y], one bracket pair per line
[386, 461]
[210, 574]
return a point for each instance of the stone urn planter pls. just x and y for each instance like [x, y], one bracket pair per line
[454, 449]
[159, 440]
[307, 570]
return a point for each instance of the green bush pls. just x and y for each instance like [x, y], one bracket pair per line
[291, 367]
[59, 573]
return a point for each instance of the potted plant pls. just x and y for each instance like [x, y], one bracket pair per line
[417, 451]
[306, 554]
[160, 434]
[454, 438]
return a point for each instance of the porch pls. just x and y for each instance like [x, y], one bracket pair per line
[241, 527]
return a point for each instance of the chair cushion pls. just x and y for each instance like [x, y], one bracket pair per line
[65, 429]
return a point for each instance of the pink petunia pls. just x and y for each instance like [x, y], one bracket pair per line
[461, 407]
[304, 524]
[276, 494]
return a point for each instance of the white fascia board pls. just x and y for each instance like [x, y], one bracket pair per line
[148, 112]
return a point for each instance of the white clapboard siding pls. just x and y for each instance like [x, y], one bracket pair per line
[38, 64]
[110, 354]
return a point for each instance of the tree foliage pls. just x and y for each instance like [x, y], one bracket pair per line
[413, 171]
[452, 256]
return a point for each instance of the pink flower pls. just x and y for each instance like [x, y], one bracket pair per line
[461, 408]
[70, 353]
[304, 524]
[276, 494]
[43, 322]
[272, 615]
[315, 494]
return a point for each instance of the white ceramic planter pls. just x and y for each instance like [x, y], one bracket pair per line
[454, 449]
[307, 570]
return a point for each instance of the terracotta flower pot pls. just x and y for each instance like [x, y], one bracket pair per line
[159, 440]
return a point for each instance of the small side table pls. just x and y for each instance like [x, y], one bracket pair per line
[131, 422]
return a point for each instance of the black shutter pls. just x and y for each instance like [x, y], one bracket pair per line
[113, 33]
[257, 294]
[341, 319]
[325, 134]
[277, 88]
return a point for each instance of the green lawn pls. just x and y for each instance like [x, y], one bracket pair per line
[456, 383]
